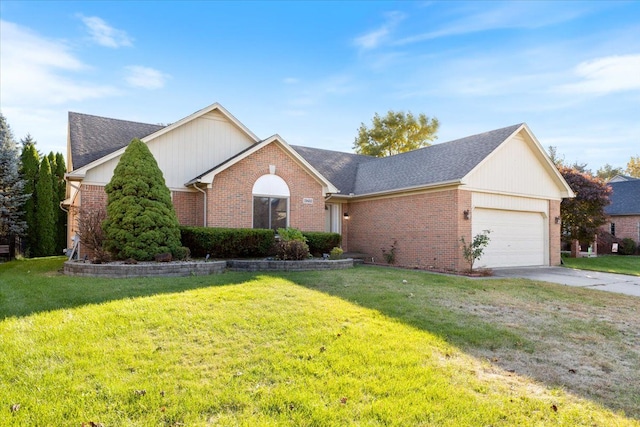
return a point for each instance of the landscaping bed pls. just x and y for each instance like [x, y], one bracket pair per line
[197, 268]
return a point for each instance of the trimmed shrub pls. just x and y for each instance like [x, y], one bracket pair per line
[292, 245]
[336, 253]
[228, 242]
[141, 221]
[628, 247]
[321, 242]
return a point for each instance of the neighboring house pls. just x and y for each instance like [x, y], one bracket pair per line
[421, 202]
[624, 210]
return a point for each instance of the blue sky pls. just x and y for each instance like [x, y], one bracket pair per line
[312, 72]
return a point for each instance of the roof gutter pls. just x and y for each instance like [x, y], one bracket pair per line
[195, 185]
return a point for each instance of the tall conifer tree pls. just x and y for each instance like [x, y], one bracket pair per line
[29, 166]
[61, 169]
[12, 196]
[45, 211]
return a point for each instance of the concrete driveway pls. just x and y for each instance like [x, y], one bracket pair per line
[620, 283]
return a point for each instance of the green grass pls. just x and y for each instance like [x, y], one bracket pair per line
[626, 264]
[350, 347]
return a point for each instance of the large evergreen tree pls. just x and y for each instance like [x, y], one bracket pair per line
[29, 166]
[141, 221]
[12, 196]
[45, 212]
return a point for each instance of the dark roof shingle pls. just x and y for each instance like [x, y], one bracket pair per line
[625, 198]
[93, 137]
[449, 161]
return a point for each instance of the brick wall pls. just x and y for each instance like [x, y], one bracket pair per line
[626, 226]
[230, 200]
[188, 207]
[426, 228]
[554, 232]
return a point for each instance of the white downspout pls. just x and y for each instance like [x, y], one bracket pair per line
[195, 185]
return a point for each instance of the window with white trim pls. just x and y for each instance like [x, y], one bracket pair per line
[270, 202]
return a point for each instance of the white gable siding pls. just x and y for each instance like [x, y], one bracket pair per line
[187, 151]
[514, 168]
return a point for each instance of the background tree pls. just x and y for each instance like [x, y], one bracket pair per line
[395, 133]
[141, 221]
[607, 172]
[29, 166]
[633, 167]
[61, 232]
[12, 196]
[45, 212]
[555, 157]
[583, 214]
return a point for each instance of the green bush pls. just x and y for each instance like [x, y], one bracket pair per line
[628, 247]
[141, 222]
[228, 242]
[322, 243]
[292, 245]
[336, 253]
[292, 250]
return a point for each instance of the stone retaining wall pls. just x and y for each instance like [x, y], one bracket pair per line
[156, 269]
[275, 265]
[75, 268]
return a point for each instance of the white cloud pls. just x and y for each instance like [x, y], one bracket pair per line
[104, 34]
[480, 16]
[606, 75]
[374, 38]
[145, 77]
[35, 71]
[291, 80]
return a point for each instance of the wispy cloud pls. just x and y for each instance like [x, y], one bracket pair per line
[373, 39]
[145, 77]
[36, 70]
[104, 34]
[290, 80]
[505, 15]
[606, 75]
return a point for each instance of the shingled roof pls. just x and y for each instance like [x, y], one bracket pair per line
[625, 199]
[338, 167]
[93, 137]
[440, 163]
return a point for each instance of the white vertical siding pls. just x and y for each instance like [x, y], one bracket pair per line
[514, 168]
[187, 151]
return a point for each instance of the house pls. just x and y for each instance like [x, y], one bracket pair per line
[624, 211]
[418, 204]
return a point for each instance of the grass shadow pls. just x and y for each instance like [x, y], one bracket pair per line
[498, 321]
[31, 286]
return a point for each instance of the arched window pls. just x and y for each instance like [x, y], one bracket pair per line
[270, 202]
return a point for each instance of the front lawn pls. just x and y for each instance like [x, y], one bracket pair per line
[365, 346]
[623, 264]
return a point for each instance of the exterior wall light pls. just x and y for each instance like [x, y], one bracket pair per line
[557, 220]
[466, 213]
[346, 215]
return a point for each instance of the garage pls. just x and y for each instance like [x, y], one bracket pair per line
[517, 238]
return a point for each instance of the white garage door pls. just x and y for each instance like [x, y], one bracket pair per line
[516, 239]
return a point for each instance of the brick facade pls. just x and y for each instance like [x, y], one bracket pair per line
[230, 200]
[554, 232]
[426, 228]
[627, 226]
[189, 207]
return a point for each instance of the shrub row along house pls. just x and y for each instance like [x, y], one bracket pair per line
[413, 206]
